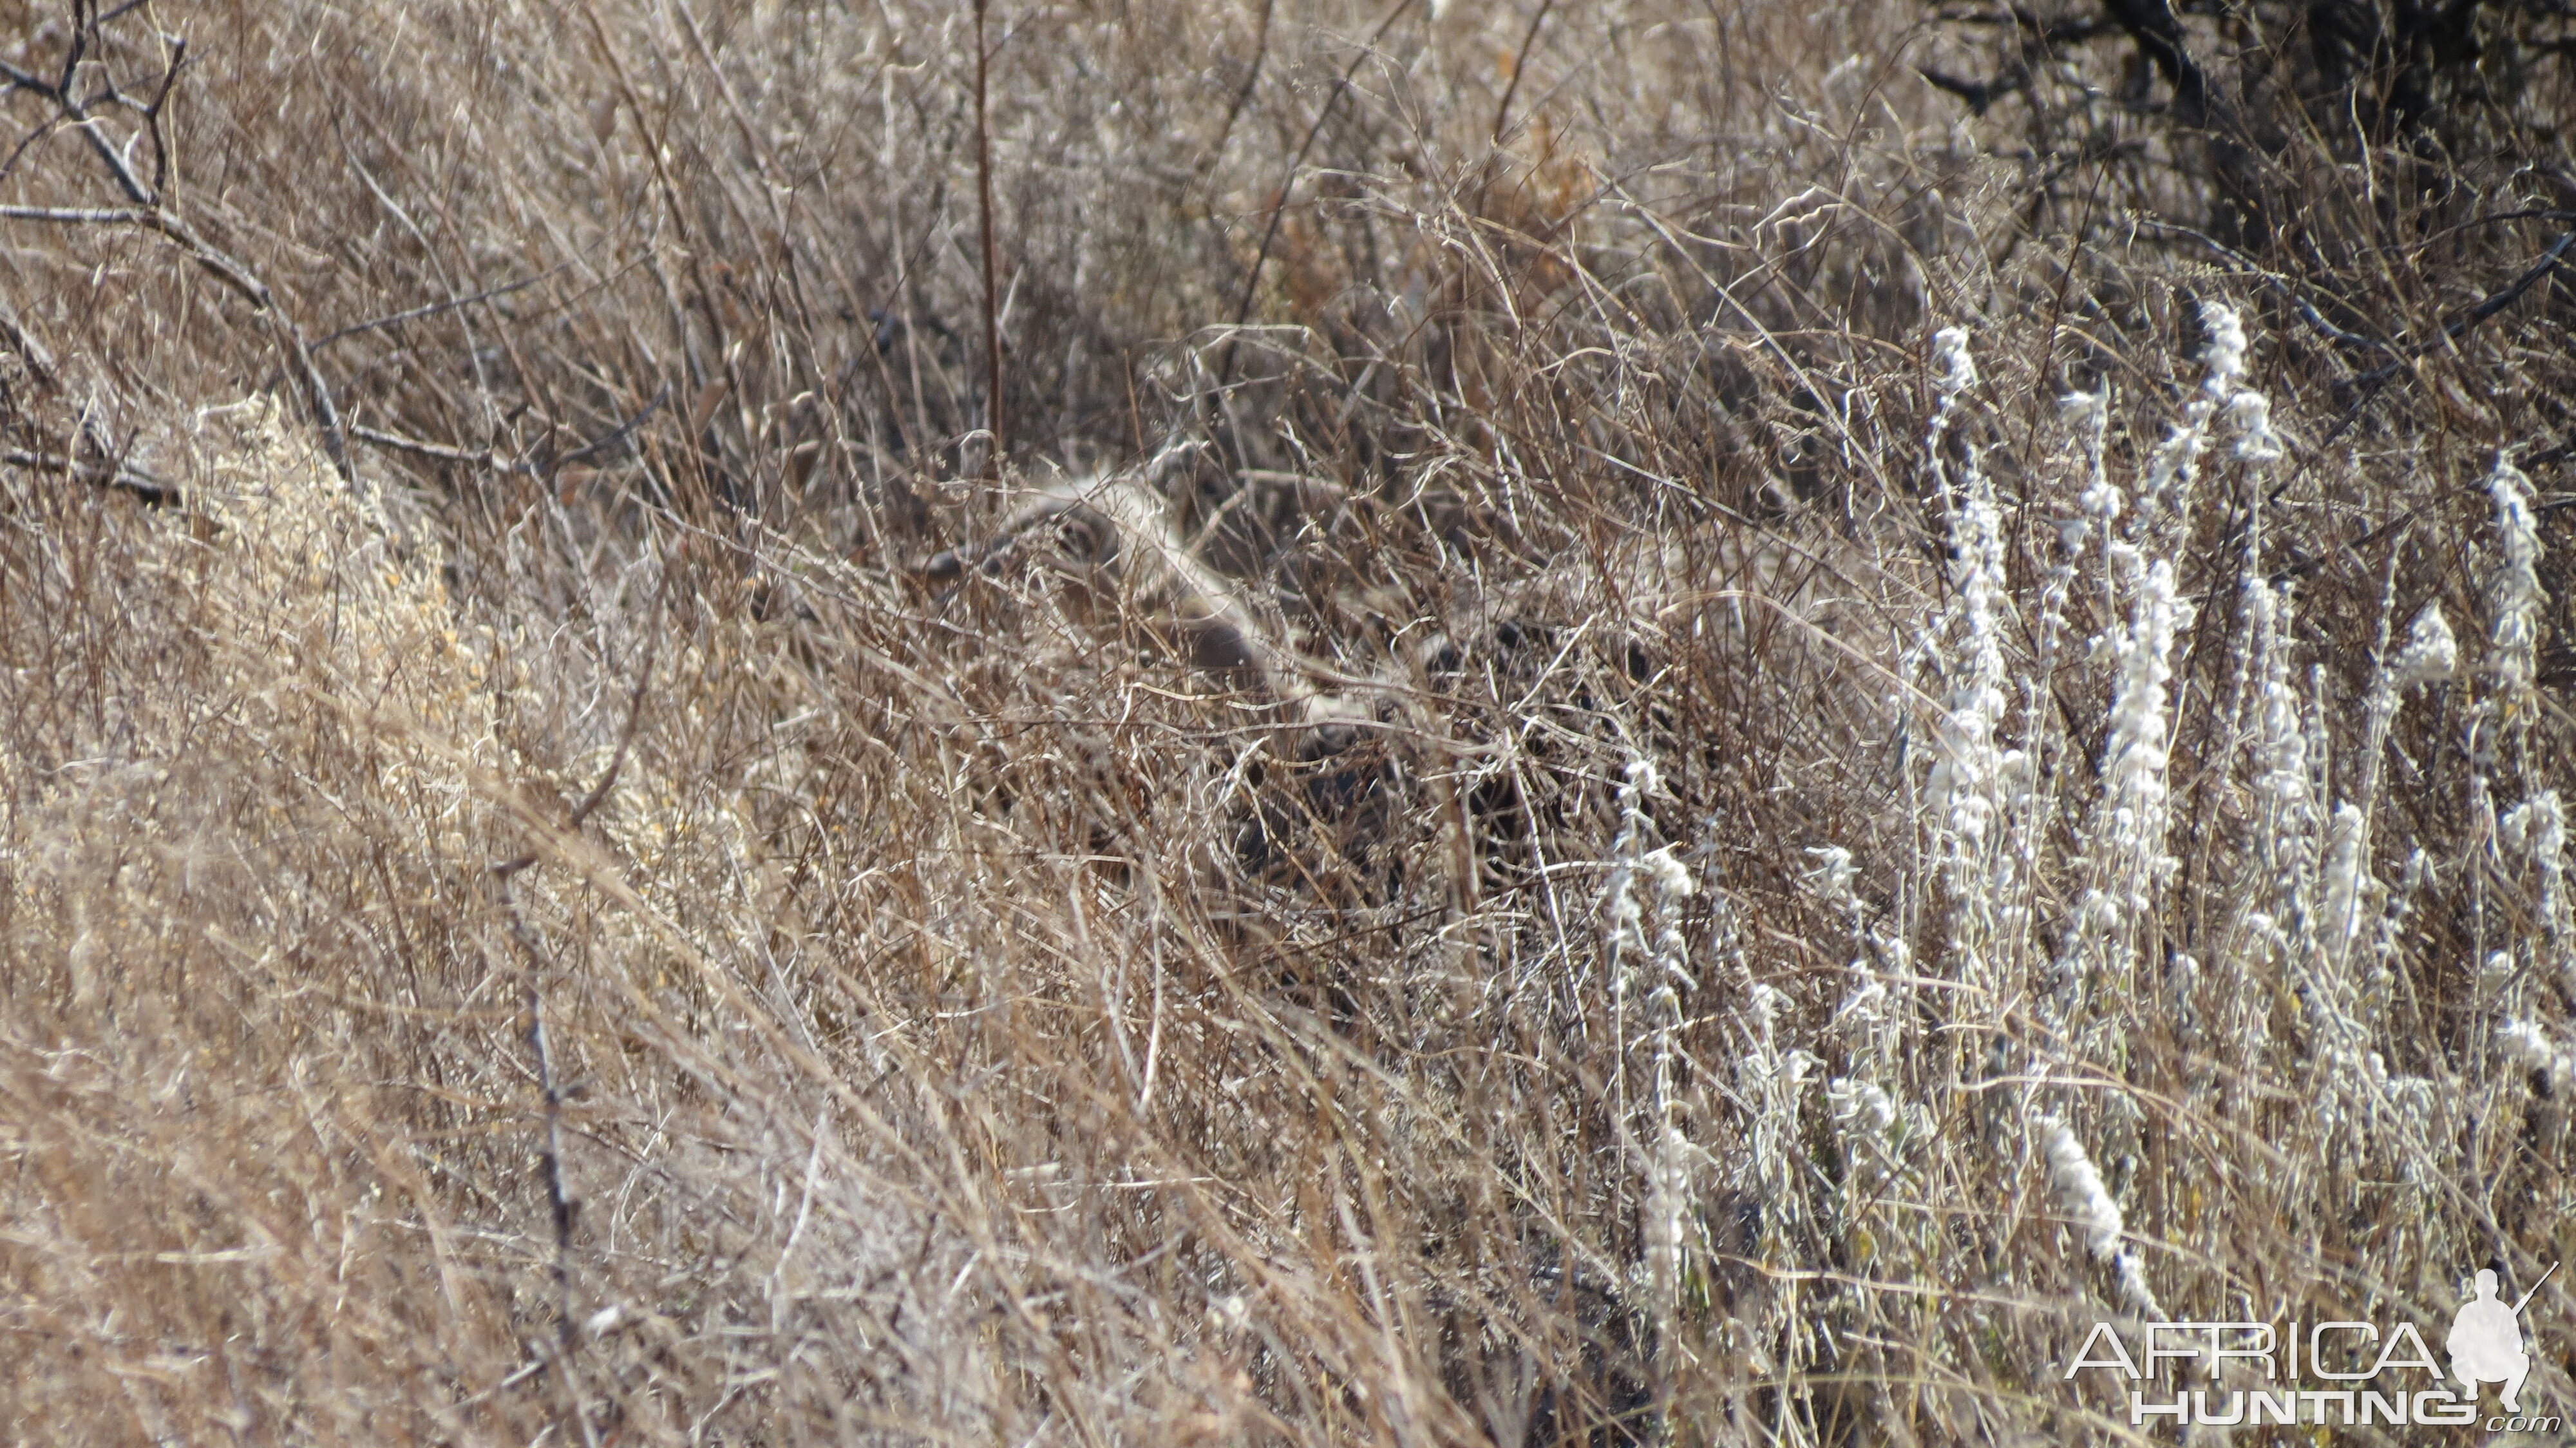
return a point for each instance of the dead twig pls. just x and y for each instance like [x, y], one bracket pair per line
[626, 736]
[1296, 163]
[995, 443]
[434, 308]
[150, 209]
[550, 1148]
[610, 438]
[1251, 79]
[1520, 66]
[119, 475]
[532, 949]
[75, 215]
[2307, 312]
[443, 452]
[2372, 382]
[492, 457]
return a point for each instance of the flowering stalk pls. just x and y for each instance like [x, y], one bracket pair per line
[2536, 827]
[2515, 596]
[1658, 966]
[2082, 1195]
[2174, 466]
[2130, 824]
[1972, 769]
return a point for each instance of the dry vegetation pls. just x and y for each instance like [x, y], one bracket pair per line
[1529, 809]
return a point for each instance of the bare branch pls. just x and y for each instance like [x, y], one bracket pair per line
[1520, 65]
[1296, 163]
[441, 451]
[121, 476]
[152, 117]
[78, 215]
[151, 211]
[2370, 383]
[626, 737]
[550, 1149]
[612, 437]
[993, 419]
[435, 308]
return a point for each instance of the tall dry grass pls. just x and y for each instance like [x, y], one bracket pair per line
[1654, 738]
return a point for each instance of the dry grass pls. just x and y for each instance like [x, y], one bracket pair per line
[1551, 840]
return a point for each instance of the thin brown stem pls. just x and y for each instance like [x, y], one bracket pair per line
[996, 442]
[1520, 67]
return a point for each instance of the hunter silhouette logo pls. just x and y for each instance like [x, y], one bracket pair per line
[2342, 1373]
[2486, 1341]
